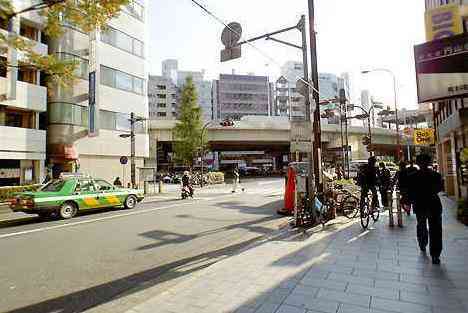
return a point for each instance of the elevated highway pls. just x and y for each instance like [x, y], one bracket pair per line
[274, 134]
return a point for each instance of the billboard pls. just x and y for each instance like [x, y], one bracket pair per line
[444, 21]
[424, 137]
[442, 68]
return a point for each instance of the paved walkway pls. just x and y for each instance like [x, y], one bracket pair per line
[338, 270]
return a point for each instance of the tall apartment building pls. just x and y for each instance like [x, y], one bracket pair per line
[162, 98]
[121, 70]
[442, 74]
[170, 70]
[23, 103]
[235, 96]
[288, 101]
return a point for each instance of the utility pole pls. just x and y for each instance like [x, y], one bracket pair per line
[317, 146]
[132, 149]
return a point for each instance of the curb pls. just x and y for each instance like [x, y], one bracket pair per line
[17, 221]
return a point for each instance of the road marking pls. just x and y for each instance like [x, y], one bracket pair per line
[136, 212]
[87, 221]
[268, 182]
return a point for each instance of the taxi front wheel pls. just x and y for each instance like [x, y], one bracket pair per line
[130, 202]
[68, 210]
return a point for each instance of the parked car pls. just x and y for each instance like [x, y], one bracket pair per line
[66, 196]
[249, 171]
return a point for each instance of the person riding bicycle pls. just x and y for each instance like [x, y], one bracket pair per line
[385, 182]
[186, 182]
[367, 180]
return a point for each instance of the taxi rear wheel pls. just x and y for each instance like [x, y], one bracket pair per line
[130, 202]
[68, 210]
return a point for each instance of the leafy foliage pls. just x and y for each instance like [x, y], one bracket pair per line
[188, 131]
[86, 15]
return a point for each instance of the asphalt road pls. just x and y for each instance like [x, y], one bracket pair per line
[107, 256]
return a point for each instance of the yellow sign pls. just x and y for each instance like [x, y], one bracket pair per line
[424, 136]
[444, 21]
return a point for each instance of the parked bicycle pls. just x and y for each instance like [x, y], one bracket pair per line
[347, 203]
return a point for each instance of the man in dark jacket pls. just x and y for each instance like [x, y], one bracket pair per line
[367, 179]
[423, 190]
[385, 182]
[402, 184]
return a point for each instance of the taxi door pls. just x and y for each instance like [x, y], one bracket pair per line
[106, 192]
[88, 196]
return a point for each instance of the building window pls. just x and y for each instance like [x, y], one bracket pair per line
[118, 121]
[82, 70]
[135, 9]
[122, 41]
[29, 32]
[3, 23]
[120, 80]
[162, 114]
[161, 105]
[161, 87]
[68, 113]
[27, 74]
[3, 68]
[161, 96]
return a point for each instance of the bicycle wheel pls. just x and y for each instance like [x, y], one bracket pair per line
[349, 207]
[375, 214]
[364, 212]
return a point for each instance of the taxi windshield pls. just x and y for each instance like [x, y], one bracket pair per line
[54, 185]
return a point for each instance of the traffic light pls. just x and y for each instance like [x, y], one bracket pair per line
[366, 141]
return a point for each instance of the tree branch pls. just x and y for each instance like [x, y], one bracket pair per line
[38, 6]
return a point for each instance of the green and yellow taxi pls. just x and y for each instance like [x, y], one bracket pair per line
[65, 196]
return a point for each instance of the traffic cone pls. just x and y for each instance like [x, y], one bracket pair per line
[289, 194]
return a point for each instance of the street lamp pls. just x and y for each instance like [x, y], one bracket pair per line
[132, 120]
[396, 105]
[202, 150]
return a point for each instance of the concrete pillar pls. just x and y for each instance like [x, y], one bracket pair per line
[453, 155]
[39, 171]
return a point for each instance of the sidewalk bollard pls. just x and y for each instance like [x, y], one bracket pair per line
[160, 187]
[391, 223]
[399, 212]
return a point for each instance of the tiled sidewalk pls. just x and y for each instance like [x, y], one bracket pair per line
[340, 269]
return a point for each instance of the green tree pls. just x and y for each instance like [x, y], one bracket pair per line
[86, 15]
[188, 130]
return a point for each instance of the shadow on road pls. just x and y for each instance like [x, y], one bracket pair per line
[164, 238]
[88, 298]
[85, 299]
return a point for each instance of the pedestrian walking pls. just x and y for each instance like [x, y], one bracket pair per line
[339, 172]
[402, 185]
[367, 180]
[385, 182]
[117, 182]
[424, 186]
[235, 179]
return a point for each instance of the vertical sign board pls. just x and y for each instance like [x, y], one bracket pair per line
[444, 21]
[94, 80]
[442, 68]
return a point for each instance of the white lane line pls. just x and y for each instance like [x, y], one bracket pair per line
[268, 182]
[36, 230]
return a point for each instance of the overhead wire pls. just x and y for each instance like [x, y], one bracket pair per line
[221, 21]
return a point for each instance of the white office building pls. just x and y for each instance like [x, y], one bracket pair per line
[121, 74]
[23, 103]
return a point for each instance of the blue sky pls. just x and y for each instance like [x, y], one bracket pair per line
[352, 36]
